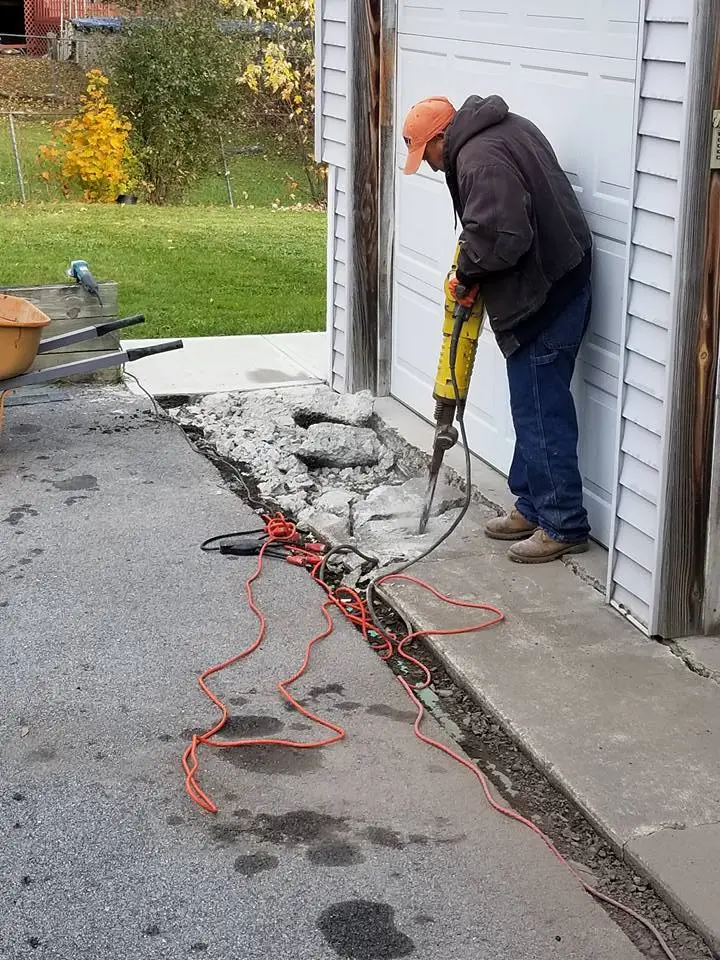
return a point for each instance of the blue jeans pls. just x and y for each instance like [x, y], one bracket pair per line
[544, 476]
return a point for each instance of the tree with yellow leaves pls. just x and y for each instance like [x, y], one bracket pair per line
[90, 152]
[281, 74]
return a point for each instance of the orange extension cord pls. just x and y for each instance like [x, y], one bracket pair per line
[351, 605]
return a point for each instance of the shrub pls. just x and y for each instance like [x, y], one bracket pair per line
[174, 73]
[90, 152]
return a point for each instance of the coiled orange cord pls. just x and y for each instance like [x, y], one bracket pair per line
[353, 608]
[349, 602]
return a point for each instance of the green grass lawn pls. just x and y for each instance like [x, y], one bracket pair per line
[256, 180]
[194, 271]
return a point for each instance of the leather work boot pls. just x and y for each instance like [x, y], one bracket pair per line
[514, 526]
[541, 548]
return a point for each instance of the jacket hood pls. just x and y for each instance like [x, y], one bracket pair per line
[474, 116]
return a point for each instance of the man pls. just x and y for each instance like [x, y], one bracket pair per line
[525, 248]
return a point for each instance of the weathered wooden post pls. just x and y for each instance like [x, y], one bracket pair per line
[363, 177]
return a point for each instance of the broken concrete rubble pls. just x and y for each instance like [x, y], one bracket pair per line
[337, 502]
[404, 502]
[318, 457]
[338, 445]
[323, 406]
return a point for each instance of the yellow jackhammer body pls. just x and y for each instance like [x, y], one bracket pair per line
[462, 327]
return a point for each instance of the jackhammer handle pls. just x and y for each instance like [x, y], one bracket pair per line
[137, 353]
[103, 328]
[462, 313]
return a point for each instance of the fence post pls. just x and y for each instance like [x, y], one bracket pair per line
[226, 171]
[16, 155]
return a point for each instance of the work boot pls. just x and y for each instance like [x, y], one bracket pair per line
[514, 526]
[541, 548]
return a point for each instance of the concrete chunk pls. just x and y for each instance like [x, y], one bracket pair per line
[325, 406]
[336, 501]
[324, 525]
[404, 503]
[337, 445]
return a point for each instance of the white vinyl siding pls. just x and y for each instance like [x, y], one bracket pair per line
[652, 282]
[331, 148]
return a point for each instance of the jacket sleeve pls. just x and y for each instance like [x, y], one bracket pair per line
[496, 219]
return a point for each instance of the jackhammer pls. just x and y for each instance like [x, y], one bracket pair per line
[462, 327]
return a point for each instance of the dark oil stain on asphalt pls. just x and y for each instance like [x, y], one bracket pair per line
[382, 837]
[85, 481]
[391, 713]
[329, 690]
[247, 727]
[153, 930]
[348, 706]
[254, 863]
[199, 947]
[174, 821]
[238, 701]
[42, 755]
[361, 930]
[17, 514]
[293, 829]
[73, 500]
[274, 760]
[335, 853]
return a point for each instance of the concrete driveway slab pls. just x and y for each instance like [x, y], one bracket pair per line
[616, 720]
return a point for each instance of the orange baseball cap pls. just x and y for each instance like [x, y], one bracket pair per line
[424, 121]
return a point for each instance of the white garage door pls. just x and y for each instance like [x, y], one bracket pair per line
[570, 68]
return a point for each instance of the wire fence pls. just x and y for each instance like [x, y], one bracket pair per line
[241, 173]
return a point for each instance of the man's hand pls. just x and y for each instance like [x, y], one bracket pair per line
[463, 296]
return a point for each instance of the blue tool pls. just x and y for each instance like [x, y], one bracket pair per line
[80, 271]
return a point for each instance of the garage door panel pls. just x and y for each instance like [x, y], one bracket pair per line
[487, 414]
[575, 100]
[417, 335]
[605, 29]
[597, 412]
[420, 252]
[609, 258]
[570, 68]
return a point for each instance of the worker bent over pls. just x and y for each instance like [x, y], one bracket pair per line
[526, 247]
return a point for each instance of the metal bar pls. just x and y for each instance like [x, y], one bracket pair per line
[88, 333]
[226, 171]
[16, 155]
[87, 366]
